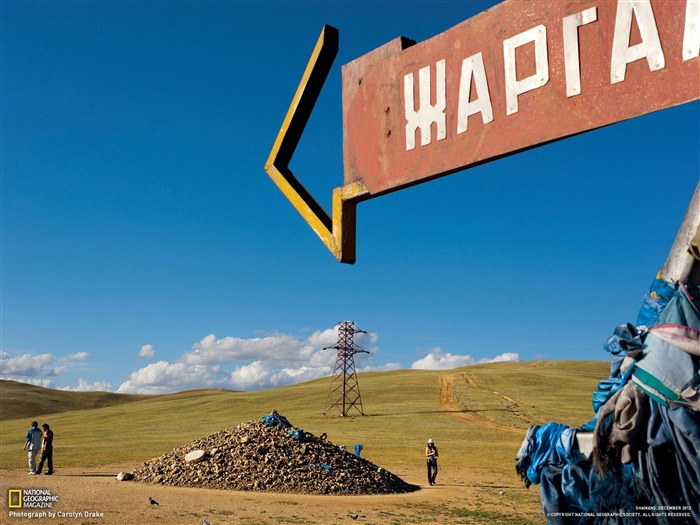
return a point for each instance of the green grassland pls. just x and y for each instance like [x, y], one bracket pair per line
[478, 415]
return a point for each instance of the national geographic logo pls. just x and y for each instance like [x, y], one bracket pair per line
[30, 499]
[36, 504]
[15, 499]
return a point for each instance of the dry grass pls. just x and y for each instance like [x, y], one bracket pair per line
[20, 400]
[478, 415]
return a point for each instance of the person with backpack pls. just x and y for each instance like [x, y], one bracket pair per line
[46, 450]
[431, 455]
[32, 445]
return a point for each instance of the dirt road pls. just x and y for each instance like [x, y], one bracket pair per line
[96, 497]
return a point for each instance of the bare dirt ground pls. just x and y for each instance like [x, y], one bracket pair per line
[96, 497]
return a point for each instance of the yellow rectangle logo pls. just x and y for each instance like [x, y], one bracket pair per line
[14, 498]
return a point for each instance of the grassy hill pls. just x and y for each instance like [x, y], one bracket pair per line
[478, 415]
[20, 400]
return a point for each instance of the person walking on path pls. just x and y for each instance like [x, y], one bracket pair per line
[32, 445]
[46, 450]
[431, 455]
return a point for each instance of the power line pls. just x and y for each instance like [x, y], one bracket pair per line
[344, 390]
[477, 341]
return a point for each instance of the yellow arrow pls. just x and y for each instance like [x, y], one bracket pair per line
[338, 233]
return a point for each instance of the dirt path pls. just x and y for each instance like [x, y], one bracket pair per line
[447, 402]
[458, 498]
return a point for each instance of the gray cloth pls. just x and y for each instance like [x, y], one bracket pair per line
[667, 368]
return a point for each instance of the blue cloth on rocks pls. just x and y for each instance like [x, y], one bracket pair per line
[659, 294]
[564, 480]
[666, 370]
[541, 442]
[664, 471]
[274, 419]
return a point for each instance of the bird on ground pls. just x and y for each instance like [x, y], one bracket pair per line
[205, 522]
[152, 501]
[353, 516]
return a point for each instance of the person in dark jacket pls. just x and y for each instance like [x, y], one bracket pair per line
[431, 455]
[46, 450]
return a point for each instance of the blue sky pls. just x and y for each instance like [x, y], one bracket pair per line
[144, 249]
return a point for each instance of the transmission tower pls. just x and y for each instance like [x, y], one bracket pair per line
[344, 391]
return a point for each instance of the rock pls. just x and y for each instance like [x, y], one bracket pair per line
[196, 456]
[277, 462]
[125, 476]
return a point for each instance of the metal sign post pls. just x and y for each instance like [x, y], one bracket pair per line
[516, 76]
[683, 260]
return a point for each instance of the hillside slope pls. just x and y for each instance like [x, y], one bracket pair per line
[21, 400]
[478, 415]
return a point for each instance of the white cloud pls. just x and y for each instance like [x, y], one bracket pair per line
[249, 376]
[257, 363]
[84, 386]
[163, 377]
[147, 351]
[259, 375]
[25, 365]
[323, 338]
[43, 369]
[383, 368]
[439, 360]
[367, 341]
[323, 359]
[269, 361]
[58, 370]
[508, 357]
[277, 347]
[78, 356]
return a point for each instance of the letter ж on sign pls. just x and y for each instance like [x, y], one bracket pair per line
[521, 74]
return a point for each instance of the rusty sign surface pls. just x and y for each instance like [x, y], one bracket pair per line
[523, 73]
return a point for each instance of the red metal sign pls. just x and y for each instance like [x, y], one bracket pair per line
[523, 73]
[520, 74]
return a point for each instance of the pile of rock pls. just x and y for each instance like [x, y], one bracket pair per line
[258, 456]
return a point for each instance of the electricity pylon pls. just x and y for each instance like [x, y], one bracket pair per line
[344, 391]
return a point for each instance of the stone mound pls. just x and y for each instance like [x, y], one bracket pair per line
[258, 456]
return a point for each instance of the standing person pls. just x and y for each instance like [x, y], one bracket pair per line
[32, 445]
[46, 450]
[431, 455]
